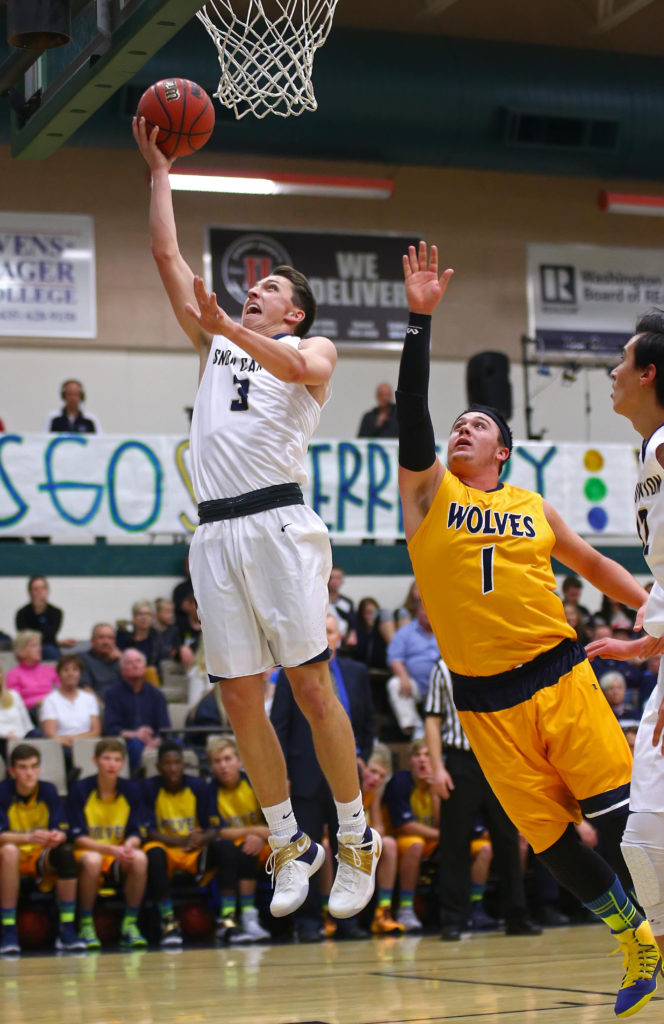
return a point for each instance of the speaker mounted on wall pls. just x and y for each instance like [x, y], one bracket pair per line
[488, 381]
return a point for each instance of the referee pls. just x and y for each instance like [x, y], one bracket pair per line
[465, 792]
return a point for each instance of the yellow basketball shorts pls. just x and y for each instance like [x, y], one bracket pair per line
[405, 842]
[548, 743]
[177, 858]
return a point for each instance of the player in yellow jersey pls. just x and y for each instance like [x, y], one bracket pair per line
[33, 843]
[526, 695]
[237, 815]
[179, 839]
[106, 820]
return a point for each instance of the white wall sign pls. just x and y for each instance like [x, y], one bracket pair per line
[47, 276]
[586, 298]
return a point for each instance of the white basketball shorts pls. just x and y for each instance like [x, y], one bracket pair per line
[260, 582]
[647, 789]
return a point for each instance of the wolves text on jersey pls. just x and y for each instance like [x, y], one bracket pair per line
[244, 364]
[488, 521]
[648, 488]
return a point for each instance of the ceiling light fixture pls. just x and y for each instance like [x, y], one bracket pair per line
[254, 183]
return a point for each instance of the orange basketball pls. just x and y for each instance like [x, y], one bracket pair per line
[34, 928]
[196, 921]
[182, 111]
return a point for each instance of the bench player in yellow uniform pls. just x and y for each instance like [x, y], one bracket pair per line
[106, 818]
[526, 695]
[236, 813]
[179, 838]
[33, 843]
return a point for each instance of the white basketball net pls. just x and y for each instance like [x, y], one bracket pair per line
[267, 56]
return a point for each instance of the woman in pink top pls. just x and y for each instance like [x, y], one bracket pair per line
[31, 678]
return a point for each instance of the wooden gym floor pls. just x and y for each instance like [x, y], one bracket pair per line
[565, 975]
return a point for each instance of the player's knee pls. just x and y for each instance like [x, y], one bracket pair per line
[643, 850]
[91, 862]
[63, 860]
[139, 862]
[9, 856]
[313, 698]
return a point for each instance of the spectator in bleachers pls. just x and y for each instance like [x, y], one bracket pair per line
[143, 636]
[631, 670]
[164, 623]
[15, 722]
[135, 709]
[33, 843]
[179, 836]
[69, 712]
[406, 613]
[101, 663]
[648, 680]
[411, 655]
[615, 614]
[181, 591]
[106, 819]
[381, 421]
[32, 678]
[43, 617]
[71, 419]
[375, 629]
[190, 631]
[414, 812]
[573, 617]
[571, 588]
[236, 814]
[614, 689]
[342, 607]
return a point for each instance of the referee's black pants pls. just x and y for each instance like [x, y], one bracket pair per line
[471, 796]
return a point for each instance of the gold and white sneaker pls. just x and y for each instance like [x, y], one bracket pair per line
[291, 864]
[355, 878]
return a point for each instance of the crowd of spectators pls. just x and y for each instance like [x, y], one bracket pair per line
[385, 663]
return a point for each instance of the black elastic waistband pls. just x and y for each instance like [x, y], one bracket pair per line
[249, 504]
[507, 689]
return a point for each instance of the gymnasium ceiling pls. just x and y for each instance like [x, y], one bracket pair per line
[541, 86]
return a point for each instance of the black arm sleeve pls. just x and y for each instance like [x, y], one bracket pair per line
[417, 445]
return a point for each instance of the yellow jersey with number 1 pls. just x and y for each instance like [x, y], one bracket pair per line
[482, 561]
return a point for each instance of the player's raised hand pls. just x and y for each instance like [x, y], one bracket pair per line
[209, 315]
[424, 288]
[147, 143]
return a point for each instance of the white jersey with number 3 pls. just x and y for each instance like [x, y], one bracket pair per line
[249, 429]
[649, 502]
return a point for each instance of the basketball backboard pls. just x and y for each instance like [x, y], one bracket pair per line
[111, 40]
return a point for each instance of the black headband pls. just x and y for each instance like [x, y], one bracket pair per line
[505, 432]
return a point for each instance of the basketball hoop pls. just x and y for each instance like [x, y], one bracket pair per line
[267, 56]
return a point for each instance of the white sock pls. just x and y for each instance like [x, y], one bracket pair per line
[351, 817]
[281, 820]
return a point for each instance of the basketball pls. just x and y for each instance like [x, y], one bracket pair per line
[196, 921]
[34, 928]
[107, 924]
[182, 111]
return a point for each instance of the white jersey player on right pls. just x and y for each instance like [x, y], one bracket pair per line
[638, 394]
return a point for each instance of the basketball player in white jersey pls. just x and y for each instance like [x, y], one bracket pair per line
[261, 559]
[638, 394]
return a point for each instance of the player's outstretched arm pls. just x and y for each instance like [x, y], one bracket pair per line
[177, 276]
[420, 470]
[311, 363]
[608, 576]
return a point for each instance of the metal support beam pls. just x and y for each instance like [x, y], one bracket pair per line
[99, 71]
[611, 13]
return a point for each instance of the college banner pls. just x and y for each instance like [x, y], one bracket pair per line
[65, 485]
[587, 298]
[357, 280]
[47, 276]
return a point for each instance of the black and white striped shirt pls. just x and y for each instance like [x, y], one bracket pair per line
[440, 702]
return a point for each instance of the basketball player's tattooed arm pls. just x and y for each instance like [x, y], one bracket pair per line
[420, 471]
[311, 363]
[177, 276]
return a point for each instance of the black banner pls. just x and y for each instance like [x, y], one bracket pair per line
[357, 279]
